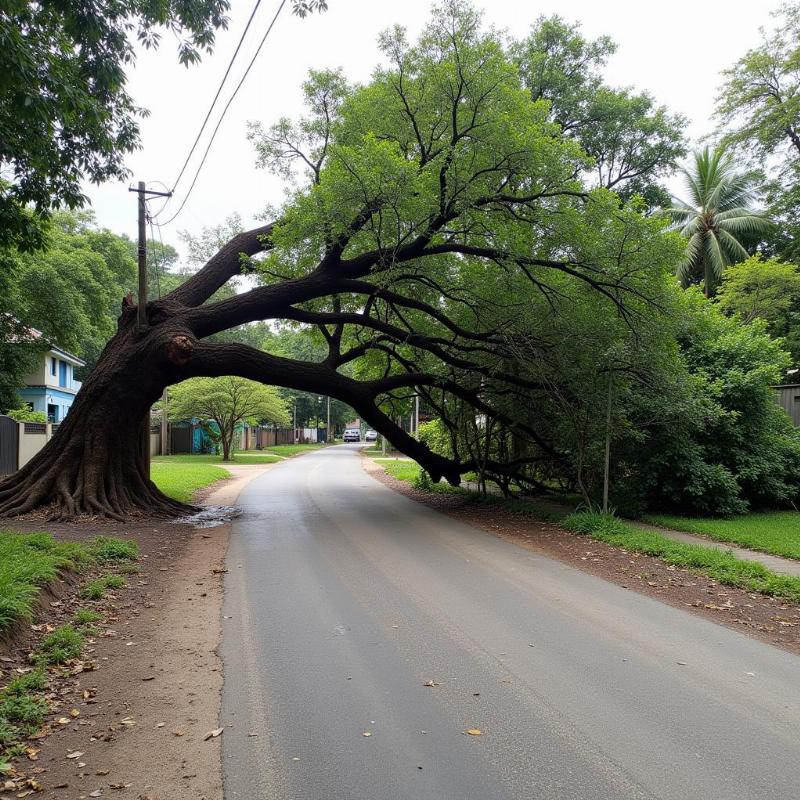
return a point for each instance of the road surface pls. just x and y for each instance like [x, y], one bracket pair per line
[345, 598]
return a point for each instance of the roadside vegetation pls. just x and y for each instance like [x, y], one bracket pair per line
[776, 532]
[708, 561]
[247, 457]
[28, 563]
[180, 480]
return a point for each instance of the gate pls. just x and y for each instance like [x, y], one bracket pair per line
[180, 438]
[9, 445]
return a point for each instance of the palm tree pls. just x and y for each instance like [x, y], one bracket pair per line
[716, 220]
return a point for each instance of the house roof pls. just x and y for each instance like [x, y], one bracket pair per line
[55, 349]
[66, 356]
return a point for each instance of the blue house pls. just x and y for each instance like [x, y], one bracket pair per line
[52, 387]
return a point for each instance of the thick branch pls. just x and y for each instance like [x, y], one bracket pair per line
[226, 264]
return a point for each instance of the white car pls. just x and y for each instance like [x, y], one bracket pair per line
[371, 436]
[352, 435]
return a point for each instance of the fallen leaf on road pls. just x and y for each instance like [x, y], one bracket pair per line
[475, 732]
[149, 678]
[76, 754]
[366, 733]
[213, 734]
[96, 793]
[431, 683]
[177, 733]
[127, 721]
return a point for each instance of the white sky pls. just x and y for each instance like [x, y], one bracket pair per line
[673, 50]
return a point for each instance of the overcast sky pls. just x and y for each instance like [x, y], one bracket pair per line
[673, 50]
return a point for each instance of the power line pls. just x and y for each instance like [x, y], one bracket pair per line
[216, 96]
[224, 111]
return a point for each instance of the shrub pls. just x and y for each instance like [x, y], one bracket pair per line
[26, 415]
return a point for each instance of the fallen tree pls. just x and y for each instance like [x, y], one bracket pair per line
[433, 202]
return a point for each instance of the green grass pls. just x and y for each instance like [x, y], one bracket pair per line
[776, 532]
[27, 563]
[708, 561]
[180, 480]
[250, 457]
[292, 449]
[402, 470]
[62, 645]
[85, 616]
[96, 589]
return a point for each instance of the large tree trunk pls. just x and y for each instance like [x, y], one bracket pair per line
[95, 463]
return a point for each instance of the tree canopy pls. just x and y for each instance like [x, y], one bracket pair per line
[758, 108]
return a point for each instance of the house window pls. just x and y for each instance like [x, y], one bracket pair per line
[53, 367]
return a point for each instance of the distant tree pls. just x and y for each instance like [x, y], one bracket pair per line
[759, 112]
[717, 218]
[71, 291]
[18, 353]
[229, 401]
[767, 289]
[633, 142]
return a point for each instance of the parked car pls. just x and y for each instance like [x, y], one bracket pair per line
[370, 436]
[352, 435]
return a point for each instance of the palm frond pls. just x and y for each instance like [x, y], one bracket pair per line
[732, 247]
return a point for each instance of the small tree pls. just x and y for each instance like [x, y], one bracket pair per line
[229, 401]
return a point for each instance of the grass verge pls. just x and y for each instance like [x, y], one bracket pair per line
[411, 472]
[180, 480]
[708, 561]
[28, 562]
[776, 532]
[251, 457]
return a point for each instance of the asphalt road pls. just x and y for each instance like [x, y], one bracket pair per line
[344, 598]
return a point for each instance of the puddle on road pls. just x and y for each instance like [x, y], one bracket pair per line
[211, 517]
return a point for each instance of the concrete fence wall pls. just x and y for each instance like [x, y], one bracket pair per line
[21, 441]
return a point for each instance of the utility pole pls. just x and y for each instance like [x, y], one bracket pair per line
[141, 309]
[294, 421]
[328, 429]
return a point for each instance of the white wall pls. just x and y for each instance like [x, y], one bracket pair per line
[31, 443]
